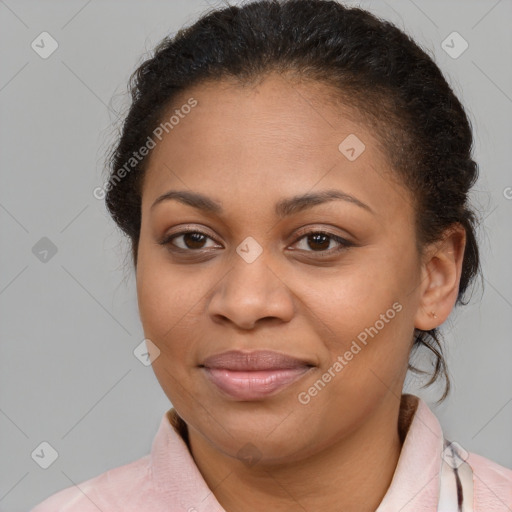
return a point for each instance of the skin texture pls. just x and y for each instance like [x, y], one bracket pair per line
[248, 148]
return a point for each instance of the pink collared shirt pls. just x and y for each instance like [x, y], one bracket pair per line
[168, 480]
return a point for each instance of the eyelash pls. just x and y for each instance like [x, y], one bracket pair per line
[344, 244]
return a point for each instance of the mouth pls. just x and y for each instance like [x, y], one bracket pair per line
[250, 376]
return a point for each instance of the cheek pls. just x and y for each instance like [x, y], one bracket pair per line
[364, 356]
[168, 298]
[365, 314]
[356, 294]
[166, 304]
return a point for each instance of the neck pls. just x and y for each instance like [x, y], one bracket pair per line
[353, 474]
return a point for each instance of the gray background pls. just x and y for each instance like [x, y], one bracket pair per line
[69, 325]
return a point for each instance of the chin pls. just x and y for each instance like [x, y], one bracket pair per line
[258, 429]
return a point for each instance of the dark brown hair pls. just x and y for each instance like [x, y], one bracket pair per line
[395, 86]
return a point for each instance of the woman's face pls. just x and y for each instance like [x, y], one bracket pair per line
[334, 317]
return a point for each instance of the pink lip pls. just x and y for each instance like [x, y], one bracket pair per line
[253, 375]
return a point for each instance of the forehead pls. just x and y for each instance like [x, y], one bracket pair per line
[277, 134]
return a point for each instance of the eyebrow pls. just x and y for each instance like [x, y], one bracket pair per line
[283, 208]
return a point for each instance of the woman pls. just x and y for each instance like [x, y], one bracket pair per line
[293, 177]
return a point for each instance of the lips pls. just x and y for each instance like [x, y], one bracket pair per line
[253, 375]
[253, 361]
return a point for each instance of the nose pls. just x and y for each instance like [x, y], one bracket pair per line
[250, 293]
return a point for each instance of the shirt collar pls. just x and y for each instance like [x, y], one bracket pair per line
[414, 487]
[415, 483]
[174, 472]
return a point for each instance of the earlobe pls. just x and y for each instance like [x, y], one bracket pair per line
[441, 271]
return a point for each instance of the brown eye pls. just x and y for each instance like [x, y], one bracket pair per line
[320, 241]
[194, 240]
[190, 240]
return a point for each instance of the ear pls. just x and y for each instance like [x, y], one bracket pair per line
[440, 278]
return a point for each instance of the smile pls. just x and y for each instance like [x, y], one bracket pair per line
[253, 375]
